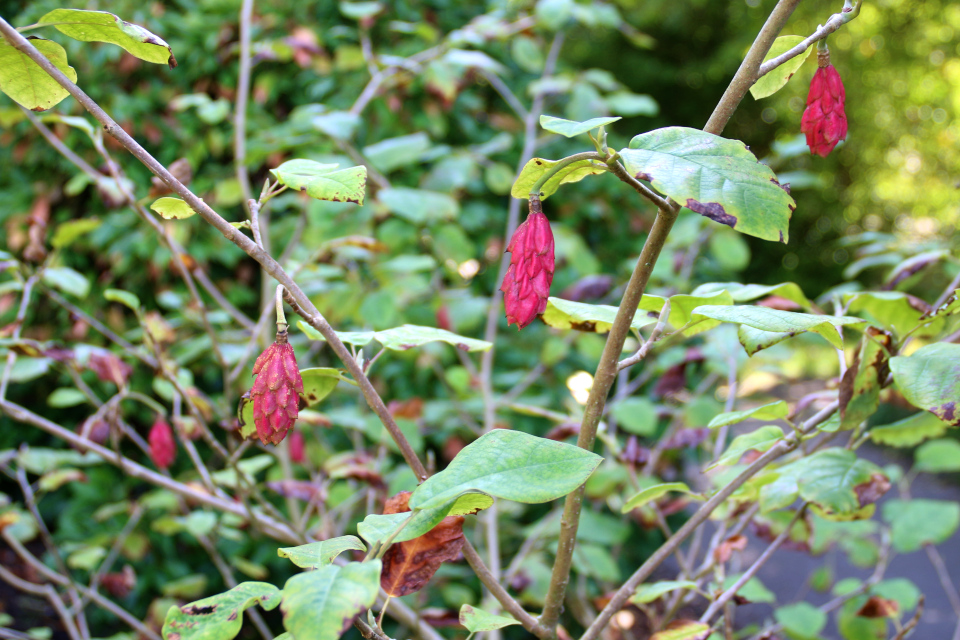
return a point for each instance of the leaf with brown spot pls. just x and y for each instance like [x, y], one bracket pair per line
[871, 491]
[408, 566]
[861, 384]
[929, 379]
[218, 617]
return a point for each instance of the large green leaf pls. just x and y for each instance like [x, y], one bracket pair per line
[218, 617]
[649, 592]
[772, 411]
[409, 336]
[25, 82]
[536, 168]
[782, 324]
[597, 318]
[319, 554]
[929, 379]
[914, 523]
[895, 310]
[831, 478]
[323, 181]
[419, 206]
[715, 177]
[171, 208]
[376, 528]
[910, 431]
[402, 338]
[321, 604]
[652, 493]
[570, 129]
[40, 460]
[682, 306]
[772, 82]
[749, 292]
[475, 619]
[511, 465]
[759, 440]
[100, 26]
[938, 456]
[801, 620]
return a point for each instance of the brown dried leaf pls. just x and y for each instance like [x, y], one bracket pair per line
[877, 607]
[870, 492]
[410, 409]
[728, 546]
[408, 566]
[109, 368]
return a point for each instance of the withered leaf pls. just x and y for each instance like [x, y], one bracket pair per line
[728, 546]
[408, 566]
[877, 607]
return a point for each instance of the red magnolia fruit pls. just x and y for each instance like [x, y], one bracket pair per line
[276, 391]
[527, 283]
[296, 447]
[824, 120]
[163, 448]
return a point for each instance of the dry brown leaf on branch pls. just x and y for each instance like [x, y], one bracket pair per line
[408, 566]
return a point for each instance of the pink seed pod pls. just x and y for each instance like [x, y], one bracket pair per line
[276, 391]
[824, 120]
[526, 286]
[163, 447]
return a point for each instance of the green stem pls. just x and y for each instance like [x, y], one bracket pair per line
[281, 317]
[562, 164]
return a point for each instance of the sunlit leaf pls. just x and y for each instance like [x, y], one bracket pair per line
[218, 617]
[772, 82]
[25, 82]
[100, 26]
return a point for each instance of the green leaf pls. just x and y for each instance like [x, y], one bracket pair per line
[861, 384]
[536, 168]
[769, 321]
[570, 129]
[937, 520]
[409, 336]
[67, 280]
[929, 378]
[68, 232]
[652, 493]
[772, 411]
[358, 10]
[218, 617]
[100, 26]
[760, 440]
[55, 479]
[318, 383]
[356, 338]
[171, 208]
[39, 460]
[772, 82]
[938, 456]
[394, 153]
[475, 619]
[894, 310]
[248, 466]
[323, 181]
[801, 621]
[649, 592]
[596, 318]
[418, 205]
[830, 479]
[902, 590]
[682, 306]
[635, 415]
[749, 292]
[25, 82]
[511, 465]
[910, 431]
[125, 298]
[376, 528]
[683, 630]
[753, 590]
[321, 604]
[319, 554]
[630, 104]
[713, 176]
[66, 397]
